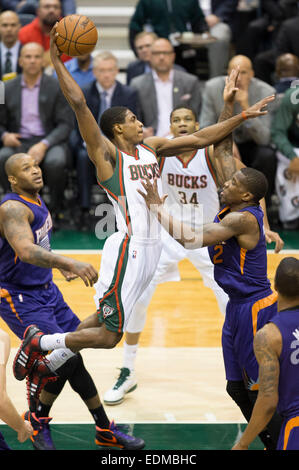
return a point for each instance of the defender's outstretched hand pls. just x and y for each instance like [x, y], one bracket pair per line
[259, 108]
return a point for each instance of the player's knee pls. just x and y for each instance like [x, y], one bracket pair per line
[111, 339]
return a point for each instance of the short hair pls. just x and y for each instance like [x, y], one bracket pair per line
[286, 279]
[110, 117]
[104, 55]
[181, 106]
[142, 34]
[255, 182]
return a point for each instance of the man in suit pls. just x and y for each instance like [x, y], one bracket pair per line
[10, 46]
[102, 93]
[252, 140]
[164, 88]
[37, 120]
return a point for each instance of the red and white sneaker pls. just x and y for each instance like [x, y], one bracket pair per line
[28, 352]
[37, 378]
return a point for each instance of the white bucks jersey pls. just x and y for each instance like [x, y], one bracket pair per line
[191, 187]
[132, 214]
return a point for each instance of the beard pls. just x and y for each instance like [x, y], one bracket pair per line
[50, 20]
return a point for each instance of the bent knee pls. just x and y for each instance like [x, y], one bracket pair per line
[112, 338]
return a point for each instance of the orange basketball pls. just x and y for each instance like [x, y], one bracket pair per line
[77, 35]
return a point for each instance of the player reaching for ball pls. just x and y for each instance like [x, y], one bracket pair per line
[130, 255]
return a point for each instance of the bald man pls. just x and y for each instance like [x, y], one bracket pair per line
[10, 46]
[252, 139]
[37, 120]
[287, 71]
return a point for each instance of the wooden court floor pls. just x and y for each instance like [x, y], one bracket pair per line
[179, 363]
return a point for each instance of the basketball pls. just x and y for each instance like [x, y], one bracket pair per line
[77, 35]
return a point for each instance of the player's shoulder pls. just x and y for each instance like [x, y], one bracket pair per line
[13, 209]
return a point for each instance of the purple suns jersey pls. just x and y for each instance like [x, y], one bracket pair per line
[239, 272]
[287, 321]
[13, 271]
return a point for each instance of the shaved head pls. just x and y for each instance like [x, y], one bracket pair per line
[13, 163]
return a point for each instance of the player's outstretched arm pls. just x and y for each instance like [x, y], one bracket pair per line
[15, 227]
[99, 148]
[8, 412]
[234, 224]
[209, 135]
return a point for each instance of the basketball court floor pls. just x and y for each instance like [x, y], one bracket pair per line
[180, 402]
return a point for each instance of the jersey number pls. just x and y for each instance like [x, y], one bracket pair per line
[183, 199]
[218, 253]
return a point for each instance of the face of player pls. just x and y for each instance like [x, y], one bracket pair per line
[49, 11]
[234, 192]
[132, 129]
[9, 28]
[105, 72]
[28, 175]
[143, 47]
[162, 56]
[183, 122]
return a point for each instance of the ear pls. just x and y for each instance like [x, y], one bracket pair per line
[197, 126]
[12, 179]
[247, 197]
[118, 129]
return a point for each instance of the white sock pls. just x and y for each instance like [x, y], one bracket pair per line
[58, 357]
[130, 351]
[55, 341]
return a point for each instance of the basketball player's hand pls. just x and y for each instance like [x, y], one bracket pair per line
[53, 46]
[25, 432]
[68, 275]
[274, 237]
[259, 108]
[231, 88]
[85, 271]
[151, 197]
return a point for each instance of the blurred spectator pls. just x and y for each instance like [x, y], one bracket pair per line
[20, 6]
[36, 119]
[286, 71]
[220, 17]
[48, 12]
[30, 6]
[81, 69]
[10, 46]
[105, 91]
[251, 138]
[169, 18]
[285, 42]
[164, 88]
[261, 32]
[142, 45]
[285, 136]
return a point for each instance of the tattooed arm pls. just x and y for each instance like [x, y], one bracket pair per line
[15, 219]
[267, 349]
